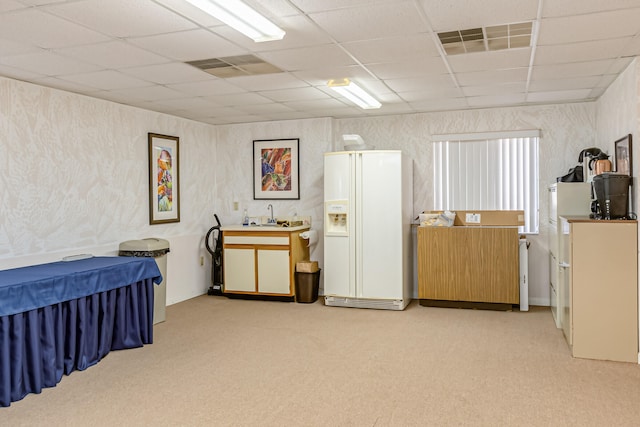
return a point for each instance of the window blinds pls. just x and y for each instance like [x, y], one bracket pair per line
[499, 173]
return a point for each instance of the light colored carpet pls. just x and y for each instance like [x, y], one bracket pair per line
[223, 362]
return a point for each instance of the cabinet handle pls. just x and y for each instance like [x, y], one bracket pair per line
[564, 265]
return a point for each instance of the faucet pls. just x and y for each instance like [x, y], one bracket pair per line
[272, 220]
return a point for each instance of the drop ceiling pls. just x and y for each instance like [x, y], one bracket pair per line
[137, 52]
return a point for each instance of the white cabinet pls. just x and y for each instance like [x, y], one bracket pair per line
[239, 270]
[273, 271]
[565, 198]
[599, 282]
[261, 261]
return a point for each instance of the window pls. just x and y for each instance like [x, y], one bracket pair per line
[497, 171]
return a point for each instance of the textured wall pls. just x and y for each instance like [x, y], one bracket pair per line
[618, 115]
[566, 129]
[235, 174]
[74, 180]
[74, 172]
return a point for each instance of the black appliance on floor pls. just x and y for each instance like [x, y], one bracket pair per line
[213, 242]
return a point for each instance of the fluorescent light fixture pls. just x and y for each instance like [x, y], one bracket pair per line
[354, 93]
[238, 15]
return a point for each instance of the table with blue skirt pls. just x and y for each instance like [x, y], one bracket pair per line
[65, 316]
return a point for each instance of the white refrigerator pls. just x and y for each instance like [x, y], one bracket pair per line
[368, 203]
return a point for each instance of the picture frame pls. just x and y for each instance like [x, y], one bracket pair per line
[164, 178]
[623, 156]
[276, 172]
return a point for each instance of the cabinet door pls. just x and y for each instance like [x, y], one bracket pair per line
[273, 271]
[239, 270]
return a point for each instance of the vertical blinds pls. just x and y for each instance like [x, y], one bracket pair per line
[497, 173]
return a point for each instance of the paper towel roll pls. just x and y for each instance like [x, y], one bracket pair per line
[311, 236]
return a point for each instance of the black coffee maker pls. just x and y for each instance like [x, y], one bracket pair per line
[612, 196]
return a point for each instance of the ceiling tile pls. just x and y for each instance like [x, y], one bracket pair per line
[442, 81]
[7, 5]
[239, 99]
[267, 81]
[441, 104]
[464, 14]
[142, 18]
[174, 72]
[47, 63]
[392, 50]
[496, 100]
[309, 6]
[480, 78]
[320, 76]
[558, 96]
[308, 58]
[206, 88]
[386, 46]
[295, 94]
[498, 89]
[189, 45]
[43, 30]
[19, 74]
[596, 26]
[555, 84]
[148, 93]
[315, 104]
[113, 54]
[431, 94]
[579, 52]
[579, 7]
[191, 103]
[419, 67]
[105, 80]
[61, 84]
[357, 23]
[572, 70]
[482, 61]
[265, 108]
[9, 47]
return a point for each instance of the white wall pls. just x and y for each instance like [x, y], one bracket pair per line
[74, 180]
[619, 115]
[74, 173]
[235, 174]
[566, 130]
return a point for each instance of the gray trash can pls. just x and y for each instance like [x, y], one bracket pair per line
[156, 248]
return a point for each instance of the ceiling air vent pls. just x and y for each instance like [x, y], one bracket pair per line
[483, 39]
[235, 66]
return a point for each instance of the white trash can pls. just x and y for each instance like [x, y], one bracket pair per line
[158, 249]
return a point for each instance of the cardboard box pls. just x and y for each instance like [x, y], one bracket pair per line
[488, 218]
[307, 266]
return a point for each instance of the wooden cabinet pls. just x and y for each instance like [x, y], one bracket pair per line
[262, 261]
[468, 264]
[599, 282]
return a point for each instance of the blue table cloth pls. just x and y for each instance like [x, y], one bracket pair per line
[65, 316]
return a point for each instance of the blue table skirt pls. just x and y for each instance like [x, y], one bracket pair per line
[39, 345]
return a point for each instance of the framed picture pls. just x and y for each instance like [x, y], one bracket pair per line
[164, 180]
[275, 169]
[623, 155]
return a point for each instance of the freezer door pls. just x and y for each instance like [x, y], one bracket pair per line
[378, 223]
[339, 271]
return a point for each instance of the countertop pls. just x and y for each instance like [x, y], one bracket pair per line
[586, 218]
[262, 228]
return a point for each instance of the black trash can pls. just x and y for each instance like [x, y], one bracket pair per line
[307, 285]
